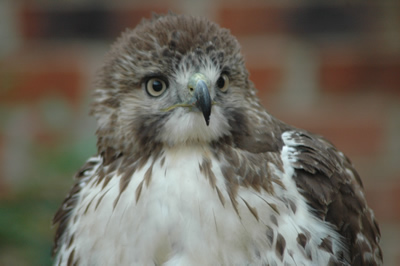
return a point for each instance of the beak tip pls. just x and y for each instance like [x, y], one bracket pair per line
[207, 118]
[203, 100]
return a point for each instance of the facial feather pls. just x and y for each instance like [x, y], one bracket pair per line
[174, 50]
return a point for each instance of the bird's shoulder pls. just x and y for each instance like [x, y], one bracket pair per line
[333, 189]
[323, 175]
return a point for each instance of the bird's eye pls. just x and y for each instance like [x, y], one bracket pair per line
[155, 86]
[223, 82]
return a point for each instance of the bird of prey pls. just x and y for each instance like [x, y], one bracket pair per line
[192, 170]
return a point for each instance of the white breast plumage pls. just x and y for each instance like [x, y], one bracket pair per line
[178, 216]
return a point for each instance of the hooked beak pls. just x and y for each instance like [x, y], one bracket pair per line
[202, 99]
[198, 96]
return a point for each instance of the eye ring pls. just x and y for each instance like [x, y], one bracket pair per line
[155, 86]
[223, 82]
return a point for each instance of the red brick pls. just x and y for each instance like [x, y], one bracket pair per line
[356, 128]
[266, 79]
[345, 72]
[388, 75]
[252, 18]
[129, 17]
[34, 74]
[47, 138]
[264, 59]
[32, 21]
[3, 185]
[350, 71]
[351, 135]
[4, 188]
[384, 198]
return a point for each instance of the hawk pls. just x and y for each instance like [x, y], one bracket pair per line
[192, 170]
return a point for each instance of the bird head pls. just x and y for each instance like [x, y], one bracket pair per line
[173, 79]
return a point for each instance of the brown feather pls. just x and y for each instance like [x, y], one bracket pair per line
[337, 197]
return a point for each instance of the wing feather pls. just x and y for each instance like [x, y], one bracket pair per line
[333, 188]
[62, 216]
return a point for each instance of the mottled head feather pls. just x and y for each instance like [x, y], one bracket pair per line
[172, 47]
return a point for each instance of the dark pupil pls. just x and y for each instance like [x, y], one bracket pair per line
[157, 86]
[220, 82]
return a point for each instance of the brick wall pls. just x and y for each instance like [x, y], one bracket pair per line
[332, 68]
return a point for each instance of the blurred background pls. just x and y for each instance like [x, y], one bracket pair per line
[332, 68]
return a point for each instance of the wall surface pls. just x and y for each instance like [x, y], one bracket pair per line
[332, 68]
